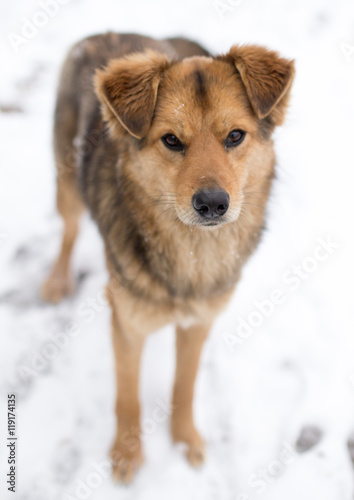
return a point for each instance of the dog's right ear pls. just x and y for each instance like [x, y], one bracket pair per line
[128, 87]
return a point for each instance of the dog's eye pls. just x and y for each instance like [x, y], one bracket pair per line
[172, 142]
[235, 138]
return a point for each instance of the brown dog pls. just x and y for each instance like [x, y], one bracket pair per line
[172, 153]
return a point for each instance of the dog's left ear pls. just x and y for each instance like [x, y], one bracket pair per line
[267, 78]
[128, 89]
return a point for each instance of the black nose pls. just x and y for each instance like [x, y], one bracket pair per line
[211, 204]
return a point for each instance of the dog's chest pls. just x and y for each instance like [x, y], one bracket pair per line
[196, 265]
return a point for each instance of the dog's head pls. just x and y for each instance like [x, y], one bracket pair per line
[199, 128]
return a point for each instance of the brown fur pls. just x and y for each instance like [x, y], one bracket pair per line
[164, 266]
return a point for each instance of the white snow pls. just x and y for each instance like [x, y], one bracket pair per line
[254, 395]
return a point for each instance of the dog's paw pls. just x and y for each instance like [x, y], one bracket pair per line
[125, 463]
[193, 444]
[195, 453]
[55, 288]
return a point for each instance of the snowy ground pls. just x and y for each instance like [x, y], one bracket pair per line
[294, 374]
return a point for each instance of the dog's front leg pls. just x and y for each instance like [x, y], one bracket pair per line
[126, 453]
[189, 344]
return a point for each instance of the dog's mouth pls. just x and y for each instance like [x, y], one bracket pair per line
[212, 223]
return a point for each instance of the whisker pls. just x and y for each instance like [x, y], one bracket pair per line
[254, 205]
[258, 180]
